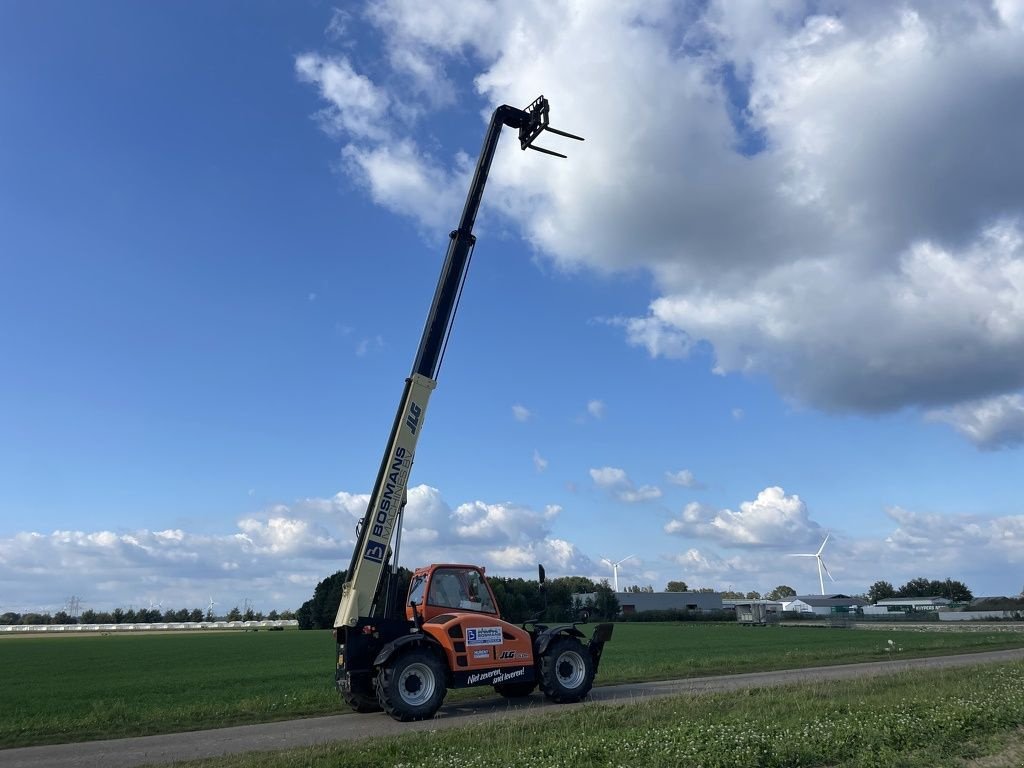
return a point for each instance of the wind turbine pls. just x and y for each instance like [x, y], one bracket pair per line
[821, 563]
[615, 569]
[209, 609]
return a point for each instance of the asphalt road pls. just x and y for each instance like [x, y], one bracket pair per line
[150, 750]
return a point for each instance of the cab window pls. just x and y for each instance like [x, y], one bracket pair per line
[461, 589]
[416, 590]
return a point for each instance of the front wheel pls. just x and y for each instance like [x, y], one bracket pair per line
[412, 686]
[566, 671]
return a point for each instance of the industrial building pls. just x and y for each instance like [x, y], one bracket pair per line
[907, 605]
[823, 605]
[635, 602]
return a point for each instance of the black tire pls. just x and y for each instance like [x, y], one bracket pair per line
[412, 686]
[361, 702]
[566, 671]
[515, 690]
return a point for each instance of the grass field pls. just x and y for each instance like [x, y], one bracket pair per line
[62, 689]
[966, 718]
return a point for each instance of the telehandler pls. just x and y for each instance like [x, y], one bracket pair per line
[450, 633]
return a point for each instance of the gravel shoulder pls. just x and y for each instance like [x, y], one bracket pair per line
[167, 748]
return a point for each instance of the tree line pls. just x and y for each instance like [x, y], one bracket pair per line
[562, 599]
[952, 589]
[140, 616]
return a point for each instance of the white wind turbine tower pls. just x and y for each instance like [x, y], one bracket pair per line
[209, 608]
[615, 569]
[821, 563]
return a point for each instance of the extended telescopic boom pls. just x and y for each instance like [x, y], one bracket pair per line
[361, 592]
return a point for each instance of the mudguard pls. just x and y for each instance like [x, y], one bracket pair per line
[544, 638]
[419, 638]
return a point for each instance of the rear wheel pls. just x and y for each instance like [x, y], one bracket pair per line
[566, 671]
[515, 690]
[412, 686]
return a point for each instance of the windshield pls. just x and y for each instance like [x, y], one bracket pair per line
[460, 588]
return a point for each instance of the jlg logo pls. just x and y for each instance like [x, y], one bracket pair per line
[508, 655]
[412, 421]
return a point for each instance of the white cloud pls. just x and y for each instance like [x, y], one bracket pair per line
[643, 493]
[773, 519]
[995, 422]
[521, 412]
[982, 551]
[357, 106]
[539, 462]
[685, 478]
[616, 481]
[365, 346]
[275, 556]
[557, 555]
[609, 477]
[483, 523]
[827, 196]
[596, 408]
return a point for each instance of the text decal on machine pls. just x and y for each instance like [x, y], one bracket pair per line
[394, 488]
[496, 676]
[483, 636]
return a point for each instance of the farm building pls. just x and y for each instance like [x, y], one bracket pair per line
[907, 605]
[824, 605]
[635, 602]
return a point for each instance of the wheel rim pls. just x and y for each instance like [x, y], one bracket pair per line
[571, 669]
[416, 684]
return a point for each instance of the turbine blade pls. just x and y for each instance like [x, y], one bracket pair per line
[822, 547]
[826, 569]
[624, 559]
[802, 555]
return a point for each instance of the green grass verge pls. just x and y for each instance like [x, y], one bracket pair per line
[63, 689]
[921, 719]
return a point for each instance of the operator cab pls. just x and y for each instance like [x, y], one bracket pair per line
[447, 589]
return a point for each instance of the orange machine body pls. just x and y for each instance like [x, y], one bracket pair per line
[457, 608]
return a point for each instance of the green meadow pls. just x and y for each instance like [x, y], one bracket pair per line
[64, 689]
[963, 718]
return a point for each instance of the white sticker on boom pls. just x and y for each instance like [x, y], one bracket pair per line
[483, 636]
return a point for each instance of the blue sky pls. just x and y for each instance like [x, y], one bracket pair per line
[784, 261]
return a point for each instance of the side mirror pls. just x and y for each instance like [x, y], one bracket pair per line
[541, 578]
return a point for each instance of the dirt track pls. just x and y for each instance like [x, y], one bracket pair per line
[148, 750]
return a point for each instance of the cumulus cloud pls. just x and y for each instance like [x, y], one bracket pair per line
[829, 196]
[483, 523]
[772, 519]
[980, 550]
[279, 553]
[685, 478]
[609, 477]
[596, 408]
[617, 482]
